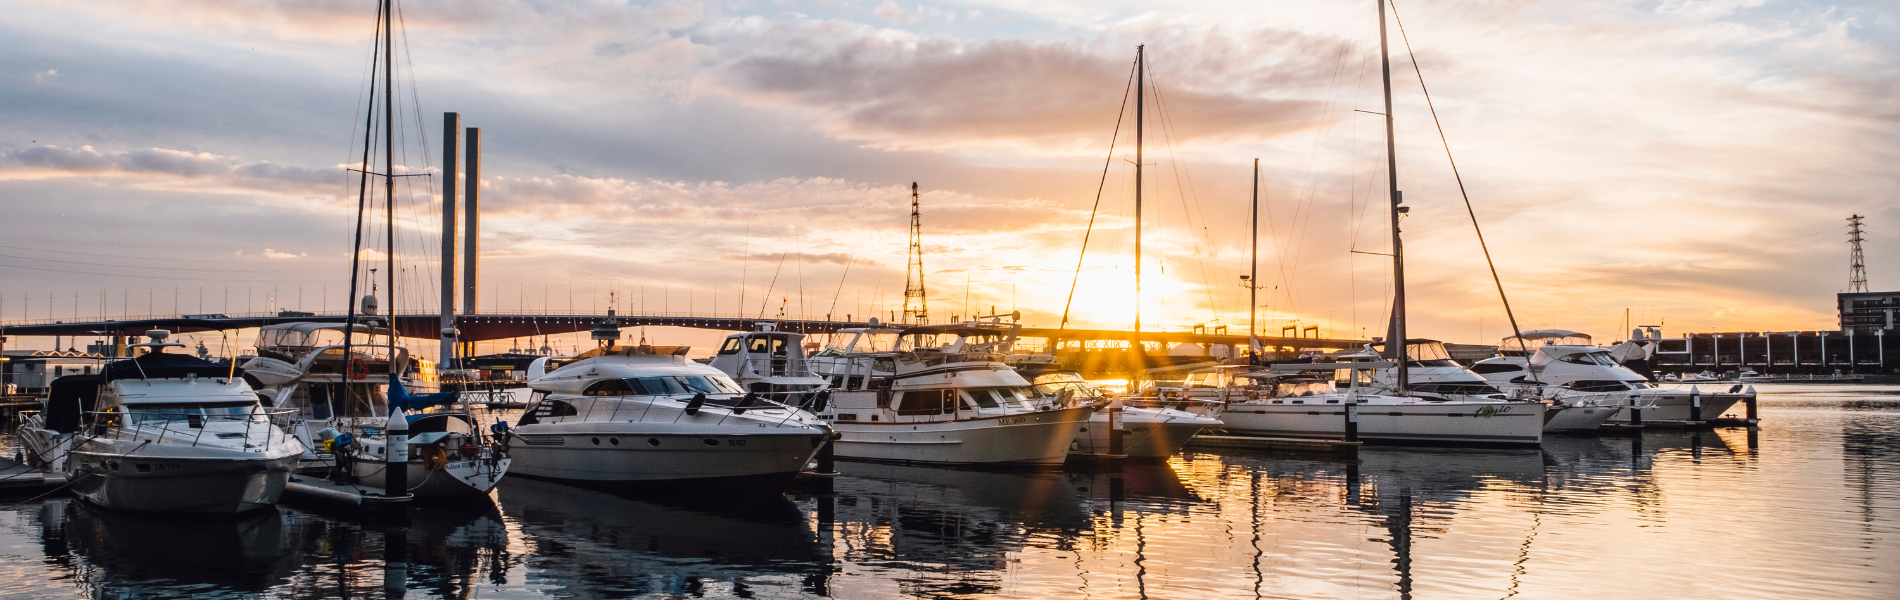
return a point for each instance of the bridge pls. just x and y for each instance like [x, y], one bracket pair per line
[483, 327]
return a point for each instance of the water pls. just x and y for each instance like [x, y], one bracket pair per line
[1807, 506]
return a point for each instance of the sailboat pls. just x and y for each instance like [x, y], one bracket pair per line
[1379, 393]
[346, 381]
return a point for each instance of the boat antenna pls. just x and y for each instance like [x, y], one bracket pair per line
[1099, 186]
[1395, 333]
[1461, 191]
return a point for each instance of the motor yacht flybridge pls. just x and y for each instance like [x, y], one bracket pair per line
[770, 362]
[164, 433]
[907, 396]
[1567, 367]
[340, 383]
[645, 415]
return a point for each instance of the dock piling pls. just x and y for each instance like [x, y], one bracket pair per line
[1695, 404]
[1636, 410]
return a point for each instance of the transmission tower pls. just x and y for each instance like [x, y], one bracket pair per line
[1857, 269]
[914, 303]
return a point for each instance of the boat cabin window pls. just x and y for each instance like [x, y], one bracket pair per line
[609, 387]
[986, 397]
[1344, 378]
[1640, 385]
[1596, 385]
[731, 347]
[927, 402]
[1488, 368]
[1301, 387]
[766, 344]
[1456, 389]
[182, 411]
[1205, 380]
[1081, 389]
[674, 385]
[1601, 359]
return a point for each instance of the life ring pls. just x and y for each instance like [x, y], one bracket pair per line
[433, 458]
[359, 369]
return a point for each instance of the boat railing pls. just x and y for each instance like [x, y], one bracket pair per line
[778, 367]
[161, 426]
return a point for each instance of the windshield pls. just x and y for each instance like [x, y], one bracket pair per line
[181, 411]
[1601, 359]
[860, 342]
[310, 338]
[1205, 379]
[682, 385]
[1302, 387]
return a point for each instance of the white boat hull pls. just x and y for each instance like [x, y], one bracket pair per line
[1673, 405]
[1440, 422]
[470, 477]
[1576, 418]
[606, 453]
[144, 480]
[1037, 438]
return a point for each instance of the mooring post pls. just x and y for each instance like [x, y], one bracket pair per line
[1115, 427]
[396, 454]
[1749, 401]
[1352, 417]
[1636, 410]
[828, 456]
[1695, 404]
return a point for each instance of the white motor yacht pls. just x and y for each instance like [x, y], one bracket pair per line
[342, 405]
[1435, 374]
[1297, 403]
[164, 433]
[1149, 431]
[645, 415]
[1565, 367]
[902, 397]
[770, 362]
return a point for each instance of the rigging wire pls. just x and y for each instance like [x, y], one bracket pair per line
[1180, 174]
[1099, 186]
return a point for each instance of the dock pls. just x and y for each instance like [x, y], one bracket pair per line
[19, 480]
[1329, 447]
[323, 491]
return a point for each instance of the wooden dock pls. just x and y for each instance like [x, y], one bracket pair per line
[1330, 447]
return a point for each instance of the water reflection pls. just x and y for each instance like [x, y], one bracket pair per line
[1809, 502]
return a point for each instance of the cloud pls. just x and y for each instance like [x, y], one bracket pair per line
[44, 76]
[836, 258]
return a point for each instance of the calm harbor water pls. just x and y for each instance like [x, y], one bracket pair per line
[1807, 506]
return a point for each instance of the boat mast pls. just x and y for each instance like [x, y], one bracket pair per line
[1253, 268]
[1395, 333]
[1141, 352]
[389, 174]
[362, 205]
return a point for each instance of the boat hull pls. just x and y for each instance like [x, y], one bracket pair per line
[591, 455]
[1144, 434]
[1445, 423]
[140, 482]
[474, 477]
[1675, 406]
[1587, 417]
[1038, 438]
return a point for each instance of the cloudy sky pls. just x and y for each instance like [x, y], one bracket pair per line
[1692, 161]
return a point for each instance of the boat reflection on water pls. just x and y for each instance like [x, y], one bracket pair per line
[150, 556]
[591, 543]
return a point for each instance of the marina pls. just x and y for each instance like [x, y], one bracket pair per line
[650, 336]
[1822, 511]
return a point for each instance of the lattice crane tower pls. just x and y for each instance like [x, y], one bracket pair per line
[1856, 273]
[915, 305]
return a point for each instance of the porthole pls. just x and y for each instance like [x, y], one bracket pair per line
[711, 442]
[613, 440]
[653, 442]
[596, 441]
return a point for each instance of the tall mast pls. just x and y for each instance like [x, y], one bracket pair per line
[389, 174]
[1141, 77]
[1395, 334]
[451, 139]
[1253, 263]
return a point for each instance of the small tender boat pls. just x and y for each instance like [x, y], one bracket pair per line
[902, 397]
[645, 415]
[164, 433]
